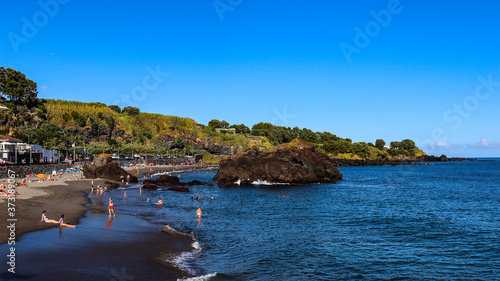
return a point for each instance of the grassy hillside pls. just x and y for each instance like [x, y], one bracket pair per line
[106, 129]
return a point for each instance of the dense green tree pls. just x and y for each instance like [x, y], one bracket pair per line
[130, 110]
[66, 117]
[308, 136]
[115, 108]
[379, 143]
[51, 136]
[408, 144]
[16, 88]
[241, 129]
[396, 145]
[111, 124]
[114, 143]
[214, 123]
[179, 143]
[361, 149]
[93, 125]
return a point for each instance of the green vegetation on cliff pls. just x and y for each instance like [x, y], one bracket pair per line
[102, 128]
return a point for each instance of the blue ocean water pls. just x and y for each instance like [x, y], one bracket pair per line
[439, 221]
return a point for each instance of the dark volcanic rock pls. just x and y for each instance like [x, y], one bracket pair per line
[294, 163]
[104, 167]
[195, 182]
[149, 184]
[111, 185]
[442, 158]
[167, 180]
[368, 162]
[180, 189]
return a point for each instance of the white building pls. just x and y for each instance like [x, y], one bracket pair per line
[13, 150]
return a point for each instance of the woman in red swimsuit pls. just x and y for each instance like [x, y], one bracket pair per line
[111, 207]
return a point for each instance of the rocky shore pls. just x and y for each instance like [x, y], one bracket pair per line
[292, 163]
[394, 162]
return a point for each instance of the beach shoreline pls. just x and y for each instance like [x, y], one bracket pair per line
[68, 196]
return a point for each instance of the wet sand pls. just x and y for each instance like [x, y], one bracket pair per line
[66, 196]
[98, 248]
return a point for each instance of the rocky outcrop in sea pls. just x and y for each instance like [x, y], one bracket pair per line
[292, 163]
[105, 167]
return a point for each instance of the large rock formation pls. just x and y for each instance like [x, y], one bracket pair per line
[104, 167]
[293, 163]
[166, 180]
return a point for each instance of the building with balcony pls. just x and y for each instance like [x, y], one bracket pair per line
[14, 151]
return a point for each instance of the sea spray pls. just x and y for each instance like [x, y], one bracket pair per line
[200, 278]
[182, 261]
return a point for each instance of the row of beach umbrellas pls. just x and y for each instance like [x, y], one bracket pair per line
[54, 171]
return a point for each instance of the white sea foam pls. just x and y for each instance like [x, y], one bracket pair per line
[261, 182]
[183, 260]
[196, 245]
[160, 174]
[200, 278]
[170, 230]
[238, 182]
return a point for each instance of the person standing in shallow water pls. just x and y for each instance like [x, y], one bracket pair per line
[198, 212]
[111, 207]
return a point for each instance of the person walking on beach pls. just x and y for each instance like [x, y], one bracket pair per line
[111, 207]
[47, 220]
[198, 212]
[61, 222]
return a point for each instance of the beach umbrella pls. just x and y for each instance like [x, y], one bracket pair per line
[41, 175]
[67, 170]
[78, 166]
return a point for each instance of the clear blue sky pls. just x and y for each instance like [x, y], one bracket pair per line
[292, 63]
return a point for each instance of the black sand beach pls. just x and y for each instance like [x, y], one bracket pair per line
[99, 248]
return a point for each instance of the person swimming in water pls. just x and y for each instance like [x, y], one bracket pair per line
[47, 220]
[160, 202]
[61, 222]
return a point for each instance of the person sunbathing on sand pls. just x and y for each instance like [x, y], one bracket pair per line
[47, 220]
[61, 222]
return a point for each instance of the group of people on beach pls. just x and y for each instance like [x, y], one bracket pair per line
[60, 221]
[99, 189]
[122, 178]
[2, 192]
